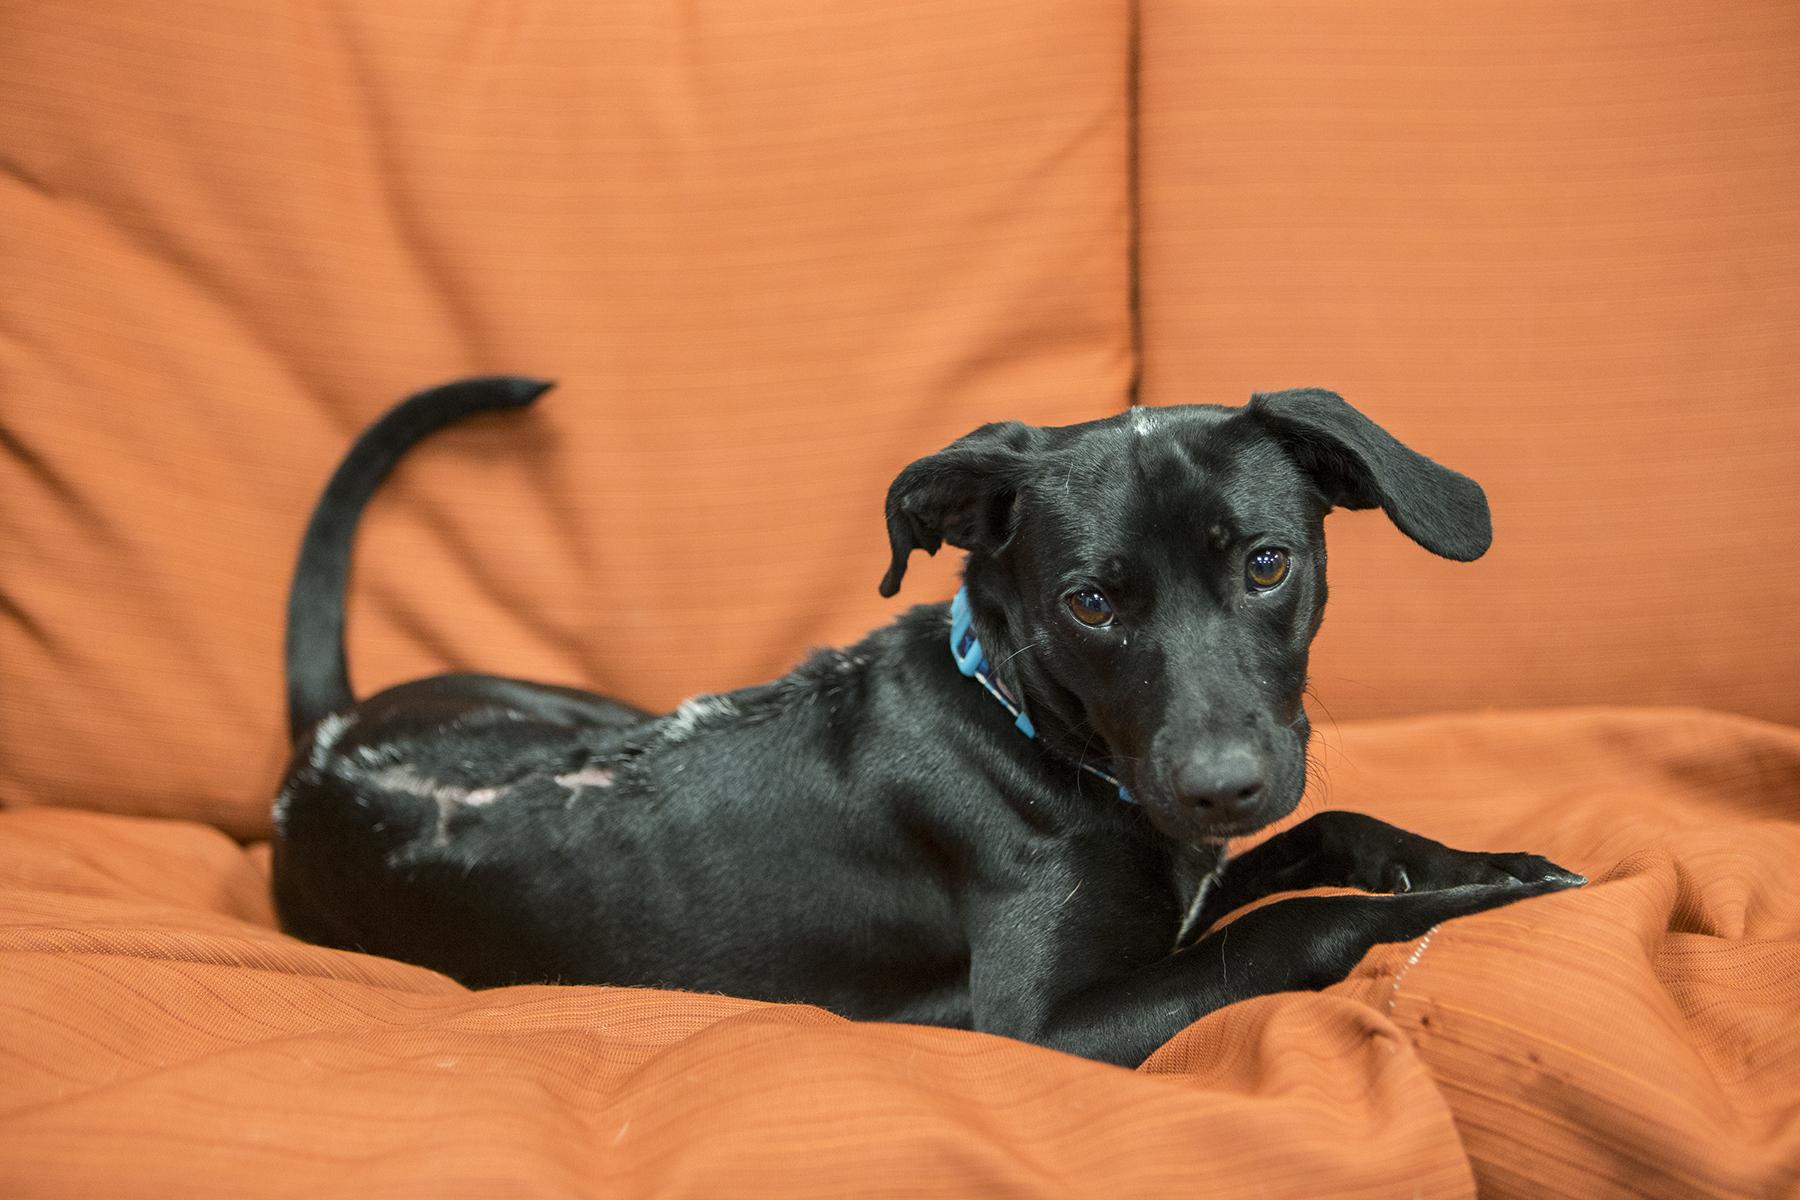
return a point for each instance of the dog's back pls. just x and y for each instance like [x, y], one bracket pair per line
[504, 831]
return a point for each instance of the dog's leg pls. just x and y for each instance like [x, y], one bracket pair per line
[1308, 942]
[1347, 849]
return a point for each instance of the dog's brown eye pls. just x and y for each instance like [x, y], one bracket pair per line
[1266, 568]
[1091, 608]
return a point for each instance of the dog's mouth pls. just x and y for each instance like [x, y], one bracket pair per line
[1181, 828]
[1225, 833]
[1181, 822]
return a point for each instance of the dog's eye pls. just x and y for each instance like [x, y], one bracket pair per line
[1091, 608]
[1266, 568]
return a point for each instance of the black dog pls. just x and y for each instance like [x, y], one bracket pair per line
[1029, 852]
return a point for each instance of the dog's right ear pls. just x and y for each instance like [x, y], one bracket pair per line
[963, 495]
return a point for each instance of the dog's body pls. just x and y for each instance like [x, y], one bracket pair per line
[874, 832]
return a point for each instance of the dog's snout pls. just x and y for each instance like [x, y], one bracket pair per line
[1223, 786]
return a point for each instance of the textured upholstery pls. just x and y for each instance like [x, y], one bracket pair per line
[1554, 245]
[773, 250]
[1635, 1038]
[772, 254]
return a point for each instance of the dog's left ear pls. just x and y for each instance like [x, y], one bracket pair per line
[963, 495]
[1358, 464]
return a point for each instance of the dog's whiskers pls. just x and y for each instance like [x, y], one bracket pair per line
[1029, 644]
[1082, 757]
[1316, 773]
[1337, 733]
[1318, 770]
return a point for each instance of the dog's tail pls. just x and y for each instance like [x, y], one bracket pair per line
[318, 682]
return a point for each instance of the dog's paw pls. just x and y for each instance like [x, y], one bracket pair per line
[1528, 869]
[1309, 942]
[1445, 868]
[1465, 900]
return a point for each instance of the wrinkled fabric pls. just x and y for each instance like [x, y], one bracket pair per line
[1636, 1037]
[772, 252]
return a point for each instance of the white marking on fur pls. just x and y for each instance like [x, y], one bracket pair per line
[404, 778]
[587, 777]
[284, 800]
[378, 755]
[1411, 962]
[693, 714]
[1199, 902]
[331, 727]
[1141, 422]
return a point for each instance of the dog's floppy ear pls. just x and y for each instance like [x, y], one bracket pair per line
[1358, 464]
[963, 495]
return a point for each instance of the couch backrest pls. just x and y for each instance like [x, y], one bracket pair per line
[775, 251]
[771, 251]
[1556, 246]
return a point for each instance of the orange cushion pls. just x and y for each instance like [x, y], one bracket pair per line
[772, 253]
[1556, 247]
[1633, 1038]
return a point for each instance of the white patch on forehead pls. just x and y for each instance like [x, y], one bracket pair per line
[682, 724]
[1141, 422]
[587, 777]
[325, 736]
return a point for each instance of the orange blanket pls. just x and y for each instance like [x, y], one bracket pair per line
[1638, 1037]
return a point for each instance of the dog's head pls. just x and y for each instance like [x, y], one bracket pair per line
[1152, 582]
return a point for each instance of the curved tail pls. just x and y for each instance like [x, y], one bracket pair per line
[318, 682]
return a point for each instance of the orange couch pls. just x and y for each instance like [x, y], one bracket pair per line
[773, 251]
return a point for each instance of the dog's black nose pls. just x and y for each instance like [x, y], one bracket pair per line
[1222, 786]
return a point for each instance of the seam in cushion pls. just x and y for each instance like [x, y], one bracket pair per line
[1134, 198]
[1411, 961]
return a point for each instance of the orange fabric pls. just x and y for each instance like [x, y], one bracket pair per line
[772, 253]
[1634, 1038]
[1554, 245]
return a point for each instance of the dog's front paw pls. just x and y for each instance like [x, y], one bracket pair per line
[1419, 864]
[1505, 869]
[1385, 858]
[1373, 856]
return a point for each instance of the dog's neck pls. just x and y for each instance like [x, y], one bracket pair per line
[1014, 693]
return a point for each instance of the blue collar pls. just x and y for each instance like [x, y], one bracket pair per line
[971, 661]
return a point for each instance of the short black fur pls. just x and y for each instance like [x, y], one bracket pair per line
[870, 832]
